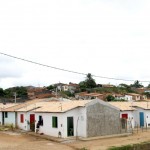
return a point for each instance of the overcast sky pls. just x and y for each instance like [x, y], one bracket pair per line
[103, 37]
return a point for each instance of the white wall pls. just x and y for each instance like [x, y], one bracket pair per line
[10, 119]
[80, 118]
[0, 118]
[128, 98]
[62, 122]
[146, 117]
[25, 125]
[131, 118]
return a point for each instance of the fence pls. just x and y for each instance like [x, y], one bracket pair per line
[127, 126]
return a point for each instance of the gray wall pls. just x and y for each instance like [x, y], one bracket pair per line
[102, 119]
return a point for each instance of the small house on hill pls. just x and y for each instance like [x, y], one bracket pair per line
[89, 96]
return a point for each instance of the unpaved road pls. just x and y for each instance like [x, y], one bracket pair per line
[104, 144]
[27, 142]
[15, 141]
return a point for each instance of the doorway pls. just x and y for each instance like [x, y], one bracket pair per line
[32, 122]
[70, 126]
[141, 119]
[3, 118]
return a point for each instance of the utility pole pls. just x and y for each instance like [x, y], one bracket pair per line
[56, 92]
[15, 94]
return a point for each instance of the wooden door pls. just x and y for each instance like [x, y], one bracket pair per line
[32, 122]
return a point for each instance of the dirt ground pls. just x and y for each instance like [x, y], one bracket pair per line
[15, 141]
[11, 141]
[104, 144]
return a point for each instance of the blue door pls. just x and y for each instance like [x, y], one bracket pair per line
[141, 119]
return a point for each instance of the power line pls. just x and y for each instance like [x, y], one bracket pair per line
[61, 69]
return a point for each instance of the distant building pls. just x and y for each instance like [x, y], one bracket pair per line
[71, 87]
[89, 96]
[107, 86]
[136, 97]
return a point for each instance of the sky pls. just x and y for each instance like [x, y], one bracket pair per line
[103, 37]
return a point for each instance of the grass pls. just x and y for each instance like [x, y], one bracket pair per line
[141, 146]
[126, 147]
[83, 148]
[7, 127]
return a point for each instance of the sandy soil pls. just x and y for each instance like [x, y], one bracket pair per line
[26, 142]
[103, 144]
[14, 141]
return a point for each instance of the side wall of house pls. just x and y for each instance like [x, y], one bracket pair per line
[102, 119]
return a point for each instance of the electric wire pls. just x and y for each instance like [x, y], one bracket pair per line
[66, 70]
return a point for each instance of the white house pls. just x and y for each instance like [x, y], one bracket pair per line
[142, 113]
[128, 98]
[4, 115]
[135, 97]
[127, 112]
[83, 118]
[10, 113]
[137, 114]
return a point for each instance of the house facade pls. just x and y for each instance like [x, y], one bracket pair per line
[26, 120]
[78, 118]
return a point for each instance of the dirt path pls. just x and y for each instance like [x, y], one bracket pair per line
[26, 142]
[14, 141]
[103, 144]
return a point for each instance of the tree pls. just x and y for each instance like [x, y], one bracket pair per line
[1, 92]
[148, 86]
[21, 92]
[51, 87]
[83, 86]
[137, 84]
[90, 82]
[110, 98]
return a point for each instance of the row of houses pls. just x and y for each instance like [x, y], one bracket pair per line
[126, 97]
[82, 118]
[137, 114]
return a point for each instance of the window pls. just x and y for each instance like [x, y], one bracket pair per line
[40, 121]
[54, 122]
[21, 118]
[6, 114]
